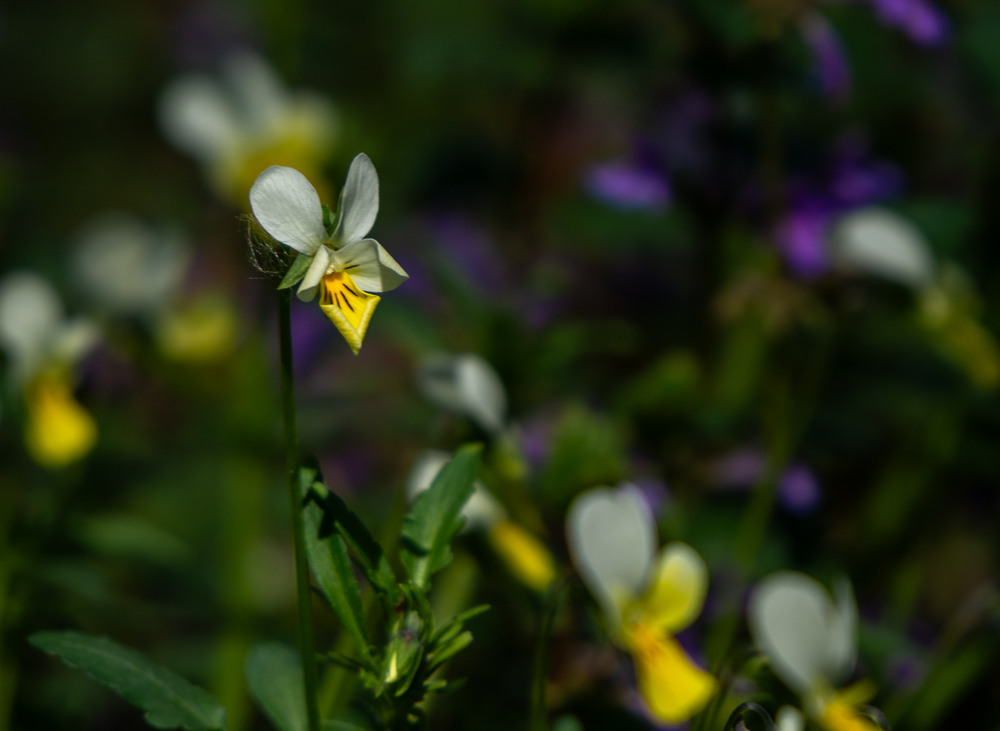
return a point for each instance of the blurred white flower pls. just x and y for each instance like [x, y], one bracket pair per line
[344, 266]
[129, 267]
[466, 384]
[245, 120]
[810, 641]
[881, 242]
[645, 597]
[525, 556]
[42, 349]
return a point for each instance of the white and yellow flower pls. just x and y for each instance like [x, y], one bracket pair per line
[524, 555]
[42, 348]
[345, 267]
[810, 642]
[245, 120]
[645, 597]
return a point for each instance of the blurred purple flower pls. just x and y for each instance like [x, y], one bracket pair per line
[798, 490]
[906, 671]
[919, 19]
[625, 184]
[656, 494]
[851, 181]
[830, 61]
[468, 246]
[801, 238]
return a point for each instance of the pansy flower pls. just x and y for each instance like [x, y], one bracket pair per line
[338, 262]
[245, 119]
[42, 348]
[810, 641]
[646, 597]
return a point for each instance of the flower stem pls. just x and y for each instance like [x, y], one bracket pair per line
[306, 646]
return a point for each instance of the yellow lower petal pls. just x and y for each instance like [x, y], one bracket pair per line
[673, 687]
[348, 307]
[59, 431]
[840, 716]
[526, 557]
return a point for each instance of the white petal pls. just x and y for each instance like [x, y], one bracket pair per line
[358, 201]
[844, 631]
[287, 206]
[314, 274]
[262, 97]
[370, 266]
[883, 243]
[790, 719]
[196, 116]
[30, 316]
[793, 618]
[467, 384]
[611, 536]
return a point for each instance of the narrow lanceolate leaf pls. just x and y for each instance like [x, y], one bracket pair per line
[296, 271]
[339, 519]
[436, 516]
[274, 676]
[331, 567]
[169, 700]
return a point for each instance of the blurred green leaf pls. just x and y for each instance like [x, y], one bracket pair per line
[436, 516]
[587, 450]
[274, 676]
[169, 700]
[331, 566]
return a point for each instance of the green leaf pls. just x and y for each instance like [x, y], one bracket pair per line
[370, 557]
[296, 271]
[169, 700]
[274, 676]
[331, 566]
[436, 517]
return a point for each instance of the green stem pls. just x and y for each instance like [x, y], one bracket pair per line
[306, 645]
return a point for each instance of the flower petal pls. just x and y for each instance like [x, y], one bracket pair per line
[314, 274]
[527, 557]
[59, 431]
[348, 307]
[467, 384]
[790, 719]
[793, 620]
[677, 592]
[881, 242]
[196, 116]
[287, 206]
[30, 316]
[673, 687]
[370, 266]
[358, 201]
[612, 538]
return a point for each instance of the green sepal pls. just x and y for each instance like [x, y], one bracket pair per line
[436, 517]
[296, 271]
[168, 700]
[329, 220]
[403, 652]
[331, 567]
[368, 554]
[274, 677]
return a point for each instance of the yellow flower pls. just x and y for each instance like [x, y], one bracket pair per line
[646, 598]
[42, 348]
[810, 643]
[344, 266]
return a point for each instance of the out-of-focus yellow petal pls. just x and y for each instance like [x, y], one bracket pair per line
[677, 589]
[840, 716]
[526, 557]
[59, 431]
[199, 331]
[348, 307]
[673, 687]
